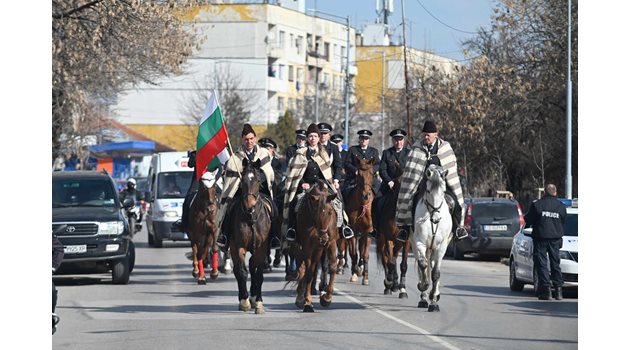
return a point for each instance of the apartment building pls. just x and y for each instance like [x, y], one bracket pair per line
[281, 57]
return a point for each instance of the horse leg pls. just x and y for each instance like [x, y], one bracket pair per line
[326, 298]
[394, 257]
[301, 288]
[352, 247]
[311, 266]
[423, 278]
[324, 265]
[201, 257]
[195, 262]
[365, 257]
[240, 272]
[434, 296]
[257, 281]
[403, 271]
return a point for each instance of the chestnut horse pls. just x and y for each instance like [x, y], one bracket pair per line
[387, 246]
[203, 229]
[358, 205]
[316, 241]
[250, 222]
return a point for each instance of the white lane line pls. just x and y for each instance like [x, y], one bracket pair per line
[404, 323]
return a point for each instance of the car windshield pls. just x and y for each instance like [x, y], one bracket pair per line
[495, 210]
[571, 225]
[82, 193]
[174, 184]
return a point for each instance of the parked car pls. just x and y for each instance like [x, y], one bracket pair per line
[491, 224]
[521, 256]
[96, 236]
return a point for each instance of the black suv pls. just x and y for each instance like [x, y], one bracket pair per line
[491, 224]
[89, 220]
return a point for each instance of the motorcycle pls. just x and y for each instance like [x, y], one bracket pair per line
[134, 215]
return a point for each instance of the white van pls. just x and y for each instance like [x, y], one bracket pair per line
[167, 182]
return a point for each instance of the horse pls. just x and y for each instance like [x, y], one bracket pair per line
[387, 246]
[203, 228]
[249, 226]
[431, 235]
[316, 241]
[359, 208]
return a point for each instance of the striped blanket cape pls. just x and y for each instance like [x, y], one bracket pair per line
[296, 170]
[414, 173]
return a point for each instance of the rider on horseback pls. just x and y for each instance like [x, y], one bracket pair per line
[307, 167]
[253, 152]
[431, 150]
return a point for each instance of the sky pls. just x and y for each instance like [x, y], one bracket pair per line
[438, 26]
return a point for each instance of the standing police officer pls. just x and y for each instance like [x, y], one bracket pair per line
[547, 216]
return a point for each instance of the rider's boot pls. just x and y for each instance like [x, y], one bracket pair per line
[274, 242]
[403, 234]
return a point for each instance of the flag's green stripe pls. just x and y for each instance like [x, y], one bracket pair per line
[209, 128]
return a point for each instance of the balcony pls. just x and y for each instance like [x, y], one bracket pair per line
[275, 51]
[277, 85]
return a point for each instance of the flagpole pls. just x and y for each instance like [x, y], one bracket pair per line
[228, 140]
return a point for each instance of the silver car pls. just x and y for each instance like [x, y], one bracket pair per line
[522, 263]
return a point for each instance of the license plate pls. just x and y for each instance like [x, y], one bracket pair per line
[495, 227]
[75, 249]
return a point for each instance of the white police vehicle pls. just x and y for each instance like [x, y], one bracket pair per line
[521, 256]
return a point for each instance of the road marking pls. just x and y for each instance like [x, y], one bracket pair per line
[404, 323]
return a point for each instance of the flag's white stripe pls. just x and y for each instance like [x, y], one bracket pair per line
[211, 106]
[224, 155]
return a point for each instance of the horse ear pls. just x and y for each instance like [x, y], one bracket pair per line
[257, 164]
[372, 161]
[331, 197]
[245, 162]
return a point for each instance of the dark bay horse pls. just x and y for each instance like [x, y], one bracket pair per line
[203, 229]
[358, 205]
[387, 246]
[249, 232]
[316, 237]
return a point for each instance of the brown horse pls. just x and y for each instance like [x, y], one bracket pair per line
[203, 229]
[358, 205]
[387, 246]
[316, 240]
[250, 222]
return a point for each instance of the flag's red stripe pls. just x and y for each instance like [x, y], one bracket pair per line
[210, 150]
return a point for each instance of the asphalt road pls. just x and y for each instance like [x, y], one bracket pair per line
[163, 308]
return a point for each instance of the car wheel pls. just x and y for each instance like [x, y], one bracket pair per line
[157, 241]
[515, 284]
[131, 253]
[150, 236]
[458, 254]
[132, 226]
[535, 278]
[120, 271]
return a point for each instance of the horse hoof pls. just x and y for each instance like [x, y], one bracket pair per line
[354, 277]
[434, 307]
[308, 308]
[423, 304]
[365, 282]
[324, 300]
[201, 281]
[387, 291]
[299, 303]
[395, 288]
[403, 295]
[260, 309]
[214, 274]
[244, 305]
[195, 274]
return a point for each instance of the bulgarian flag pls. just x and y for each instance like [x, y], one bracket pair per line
[212, 138]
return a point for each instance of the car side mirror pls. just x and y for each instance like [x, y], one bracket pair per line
[128, 203]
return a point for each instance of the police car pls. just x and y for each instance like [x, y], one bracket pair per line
[521, 256]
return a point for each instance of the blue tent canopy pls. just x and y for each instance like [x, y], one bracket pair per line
[128, 146]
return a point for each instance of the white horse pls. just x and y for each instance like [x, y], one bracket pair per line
[431, 235]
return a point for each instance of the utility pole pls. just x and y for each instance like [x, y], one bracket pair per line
[316, 70]
[347, 94]
[383, 100]
[409, 130]
[569, 180]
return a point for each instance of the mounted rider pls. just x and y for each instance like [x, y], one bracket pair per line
[232, 181]
[430, 150]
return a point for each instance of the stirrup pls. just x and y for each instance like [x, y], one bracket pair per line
[274, 243]
[402, 235]
[222, 241]
[347, 232]
[461, 233]
[372, 234]
[291, 234]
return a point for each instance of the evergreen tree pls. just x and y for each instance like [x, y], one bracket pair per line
[283, 132]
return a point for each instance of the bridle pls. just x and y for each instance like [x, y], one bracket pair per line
[323, 233]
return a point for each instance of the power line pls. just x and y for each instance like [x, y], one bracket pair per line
[437, 19]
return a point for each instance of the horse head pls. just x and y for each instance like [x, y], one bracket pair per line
[436, 185]
[364, 177]
[250, 183]
[322, 211]
[208, 191]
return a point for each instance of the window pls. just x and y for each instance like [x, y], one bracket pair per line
[334, 54]
[327, 51]
[334, 83]
[291, 40]
[173, 184]
[300, 74]
[280, 103]
[281, 39]
[282, 71]
[291, 78]
[343, 55]
[299, 43]
[291, 103]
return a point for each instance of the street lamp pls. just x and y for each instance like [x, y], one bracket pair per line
[346, 92]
